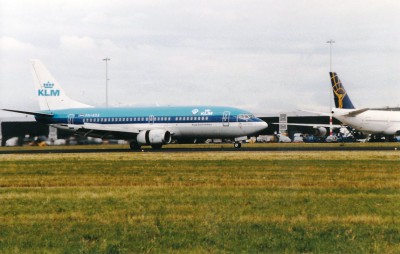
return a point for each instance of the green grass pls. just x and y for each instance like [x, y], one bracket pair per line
[210, 146]
[224, 202]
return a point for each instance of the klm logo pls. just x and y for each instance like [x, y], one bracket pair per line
[48, 90]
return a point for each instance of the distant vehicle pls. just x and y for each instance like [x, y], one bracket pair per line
[14, 141]
[283, 139]
[298, 138]
[154, 126]
[264, 138]
[59, 142]
[312, 139]
[331, 138]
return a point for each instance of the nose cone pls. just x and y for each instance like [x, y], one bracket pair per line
[262, 125]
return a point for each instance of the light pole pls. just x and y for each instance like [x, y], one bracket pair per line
[106, 59]
[330, 52]
[331, 41]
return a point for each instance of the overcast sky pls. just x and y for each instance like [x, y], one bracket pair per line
[263, 56]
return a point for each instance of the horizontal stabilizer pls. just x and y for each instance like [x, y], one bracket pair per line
[29, 113]
[315, 112]
[356, 112]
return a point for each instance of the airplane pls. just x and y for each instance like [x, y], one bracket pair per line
[366, 120]
[378, 122]
[154, 126]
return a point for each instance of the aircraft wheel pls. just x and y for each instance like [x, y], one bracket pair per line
[237, 145]
[134, 145]
[156, 147]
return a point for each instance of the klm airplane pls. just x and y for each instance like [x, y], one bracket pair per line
[154, 126]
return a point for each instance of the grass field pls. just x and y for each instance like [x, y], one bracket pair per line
[213, 146]
[218, 202]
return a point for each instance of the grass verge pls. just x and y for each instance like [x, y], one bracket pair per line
[275, 202]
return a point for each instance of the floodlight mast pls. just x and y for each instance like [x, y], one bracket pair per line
[330, 52]
[106, 60]
[331, 41]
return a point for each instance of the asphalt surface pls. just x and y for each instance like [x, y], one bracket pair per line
[219, 149]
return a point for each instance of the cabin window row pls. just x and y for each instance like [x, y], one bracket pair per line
[115, 119]
[144, 119]
[191, 118]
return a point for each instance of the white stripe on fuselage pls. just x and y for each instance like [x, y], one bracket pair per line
[195, 129]
[202, 129]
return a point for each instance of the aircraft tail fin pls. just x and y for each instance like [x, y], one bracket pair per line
[342, 99]
[51, 95]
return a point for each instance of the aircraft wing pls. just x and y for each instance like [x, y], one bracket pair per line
[107, 128]
[101, 127]
[102, 131]
[314, 125]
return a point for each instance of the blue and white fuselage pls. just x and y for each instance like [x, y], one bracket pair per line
[153, 126]
[194, 121]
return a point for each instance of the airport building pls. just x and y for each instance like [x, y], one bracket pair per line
[27, 129]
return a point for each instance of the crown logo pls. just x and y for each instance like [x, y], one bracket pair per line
[48, 85]
[339, 90]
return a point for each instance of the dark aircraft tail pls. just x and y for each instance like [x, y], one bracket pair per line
[342, 99]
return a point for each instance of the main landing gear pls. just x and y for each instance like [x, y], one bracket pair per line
[134, 145]
[237, 145]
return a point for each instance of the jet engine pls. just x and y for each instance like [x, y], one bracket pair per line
[156, 138]
[320, 131]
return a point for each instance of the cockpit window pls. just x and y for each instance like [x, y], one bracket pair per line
[245, 116]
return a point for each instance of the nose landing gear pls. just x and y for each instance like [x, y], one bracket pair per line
[237, 145]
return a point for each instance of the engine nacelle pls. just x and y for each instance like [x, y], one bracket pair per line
[320, 131]
[153, 137]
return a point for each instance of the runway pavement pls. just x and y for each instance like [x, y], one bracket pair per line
[171, 149]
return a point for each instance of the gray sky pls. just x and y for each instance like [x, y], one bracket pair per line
[264, 56]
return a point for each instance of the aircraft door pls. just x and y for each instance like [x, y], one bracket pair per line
[71, 118]
[225, 118]
[151, 119]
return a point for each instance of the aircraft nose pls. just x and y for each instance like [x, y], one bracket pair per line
[263, 125]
